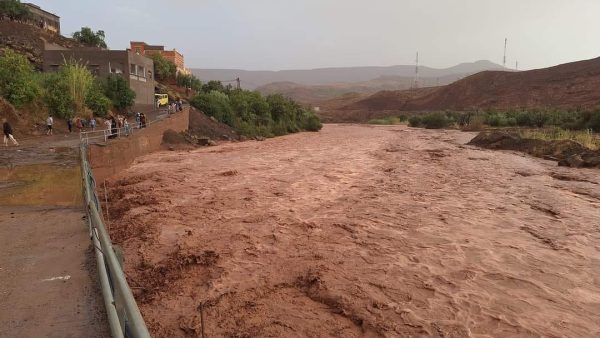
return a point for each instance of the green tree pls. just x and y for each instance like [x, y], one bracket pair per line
[163, 68]
[213, 86]
[96, 101]
[118, 91]
[17, 78]
[56, 95]
[251, 114]
[215, 104]
[14, 10]
[87, 37]
[189, 81]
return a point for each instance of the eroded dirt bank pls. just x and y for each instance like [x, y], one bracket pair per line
[360, 231]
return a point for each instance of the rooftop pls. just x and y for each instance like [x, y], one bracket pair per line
[40, 9]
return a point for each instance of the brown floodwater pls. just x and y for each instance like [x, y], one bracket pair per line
[360, 231]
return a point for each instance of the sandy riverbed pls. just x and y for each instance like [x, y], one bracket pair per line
[360, 231]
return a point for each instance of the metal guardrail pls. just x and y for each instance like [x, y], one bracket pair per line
[106, 134]
[124, 316]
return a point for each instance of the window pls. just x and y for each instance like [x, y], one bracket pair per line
[94, 69]
[141, 71]
[132, 69]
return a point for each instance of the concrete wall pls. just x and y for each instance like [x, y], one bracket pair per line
[118, 155]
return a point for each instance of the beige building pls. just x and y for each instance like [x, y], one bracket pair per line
[43, 19]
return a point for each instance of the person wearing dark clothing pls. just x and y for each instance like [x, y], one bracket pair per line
[113, 126]
[8, 131]
[143, 120]
[70, 125]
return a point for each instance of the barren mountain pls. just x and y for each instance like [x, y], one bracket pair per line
[567, 86]
[317, 93]
[321, 76]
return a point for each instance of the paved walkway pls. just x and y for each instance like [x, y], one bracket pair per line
[48, 275]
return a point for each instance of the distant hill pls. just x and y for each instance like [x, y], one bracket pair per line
[315, 94]
[567, 86]
[325, 76]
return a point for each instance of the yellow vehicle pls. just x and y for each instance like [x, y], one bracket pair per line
[161, 99]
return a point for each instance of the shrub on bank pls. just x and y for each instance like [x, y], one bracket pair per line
[251, 114]
[17, 79]
[415, 121]
[436, 120]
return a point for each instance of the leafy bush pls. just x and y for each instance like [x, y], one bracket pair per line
[313, 123]
[251, 114]
[415, 121]
[56, 95]
[435, 120]
[215, 104]
[189, 81]
[593, 122]
[17, 79]
[96, 101]
[87, 37]
[117, 90]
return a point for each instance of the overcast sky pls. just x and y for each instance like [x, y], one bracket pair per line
[299, 34]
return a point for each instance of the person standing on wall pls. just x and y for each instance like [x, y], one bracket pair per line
[49, 124]
[8, 131]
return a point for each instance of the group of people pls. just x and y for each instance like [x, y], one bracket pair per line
[81, 124]
[175, 106]
[140, 120]
[112, 123]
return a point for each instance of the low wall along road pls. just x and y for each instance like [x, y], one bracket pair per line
[118, 155]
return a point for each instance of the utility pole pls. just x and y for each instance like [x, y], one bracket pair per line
[239, 83]
[516, 65]
[416, 84]
[504, 61]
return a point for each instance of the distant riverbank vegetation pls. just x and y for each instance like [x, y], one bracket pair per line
[251, 114]
[582, 127]
[566, 120]
[69, 92]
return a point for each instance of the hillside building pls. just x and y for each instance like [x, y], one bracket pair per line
[136, 69]
[174, 56]
[44, 19]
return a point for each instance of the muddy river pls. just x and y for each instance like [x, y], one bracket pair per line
[360, 231]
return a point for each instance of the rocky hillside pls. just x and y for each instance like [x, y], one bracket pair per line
[567, 86]
[29, 40]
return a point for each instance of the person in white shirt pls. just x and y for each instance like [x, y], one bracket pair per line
[49, 124]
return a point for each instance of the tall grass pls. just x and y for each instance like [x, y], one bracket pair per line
[79, 80]
[584, 137]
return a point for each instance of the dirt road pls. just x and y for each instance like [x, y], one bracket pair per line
[360, 231]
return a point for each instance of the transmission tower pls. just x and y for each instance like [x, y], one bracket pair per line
[504, 61]
[416, 84]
